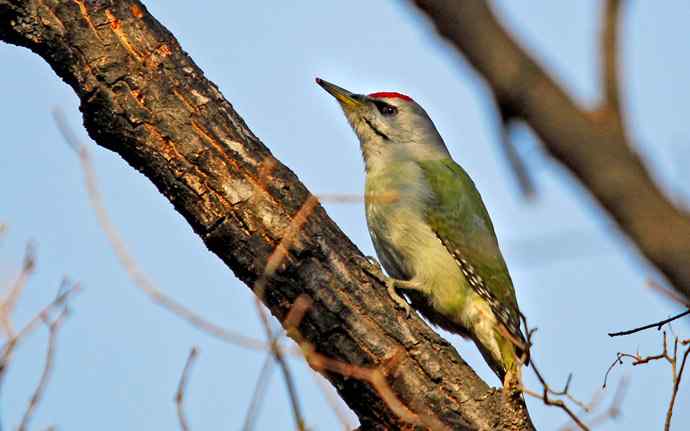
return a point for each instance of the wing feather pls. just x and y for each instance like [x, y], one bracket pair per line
[461, 221]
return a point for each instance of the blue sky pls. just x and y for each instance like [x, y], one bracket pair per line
[120, 356]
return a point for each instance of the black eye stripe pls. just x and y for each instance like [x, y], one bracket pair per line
[377, 131]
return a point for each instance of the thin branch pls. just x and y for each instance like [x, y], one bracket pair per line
[335, 402]
[129, 263]
[259, 391]
[349, 198]
[546, 388]
[291, 323]
[658, 325]
[14, 291]
[281, 251]
[676, 385]
[182, 387]
[285, 369]
[667, 355]
[506, 120]
[374, 376]
[274, 261]
[53, 328]
[610, 54]
[544, 396]
[668, 293]
[614, 409]
[11, 344]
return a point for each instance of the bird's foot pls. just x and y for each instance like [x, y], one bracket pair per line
[399, 300]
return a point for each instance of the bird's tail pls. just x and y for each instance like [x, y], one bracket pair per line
[514, 354]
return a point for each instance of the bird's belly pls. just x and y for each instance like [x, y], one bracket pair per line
[410, 250]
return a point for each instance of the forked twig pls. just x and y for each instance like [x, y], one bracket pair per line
[549, 396]
[374, 376]
[676, 383]
[10, 345]
[668, 355]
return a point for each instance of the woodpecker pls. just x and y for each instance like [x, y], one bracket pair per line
[430, 228]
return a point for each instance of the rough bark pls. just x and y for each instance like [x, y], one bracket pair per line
[592, 145]
[145, 99]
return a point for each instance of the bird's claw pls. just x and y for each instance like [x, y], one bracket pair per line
[399, 300]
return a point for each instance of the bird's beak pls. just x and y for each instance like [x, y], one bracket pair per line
[347, 99]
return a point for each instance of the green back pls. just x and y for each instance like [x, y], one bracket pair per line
[462, 222]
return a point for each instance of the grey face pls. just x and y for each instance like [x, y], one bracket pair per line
[390, 126]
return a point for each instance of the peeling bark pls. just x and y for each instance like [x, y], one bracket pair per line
[144, 98]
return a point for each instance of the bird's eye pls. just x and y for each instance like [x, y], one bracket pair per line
[386, 109]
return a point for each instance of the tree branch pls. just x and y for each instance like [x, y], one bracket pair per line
[144, 98]
[656, 325]
[595, 151]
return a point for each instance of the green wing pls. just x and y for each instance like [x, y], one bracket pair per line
[462, 222]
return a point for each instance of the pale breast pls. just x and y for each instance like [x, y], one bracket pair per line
[406, 245]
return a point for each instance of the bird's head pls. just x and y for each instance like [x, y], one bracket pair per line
[390, 126]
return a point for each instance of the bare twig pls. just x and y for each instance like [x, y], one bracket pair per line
[668, 293]
[335, 402]
[614, 409]
[15, 290]
[53, 328]
[128, 262]
[546, 389]
[291, 324]
[506, 120]
[285, 369]
[282, 249]
[350, 198]
[658, 325]
[610, 54]
[11, 344]
[259, 391]
[668, 355]
[182, 387]
[544, 396]
[373, 376]
[274, 261]
[676, 383]
[549, 396]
